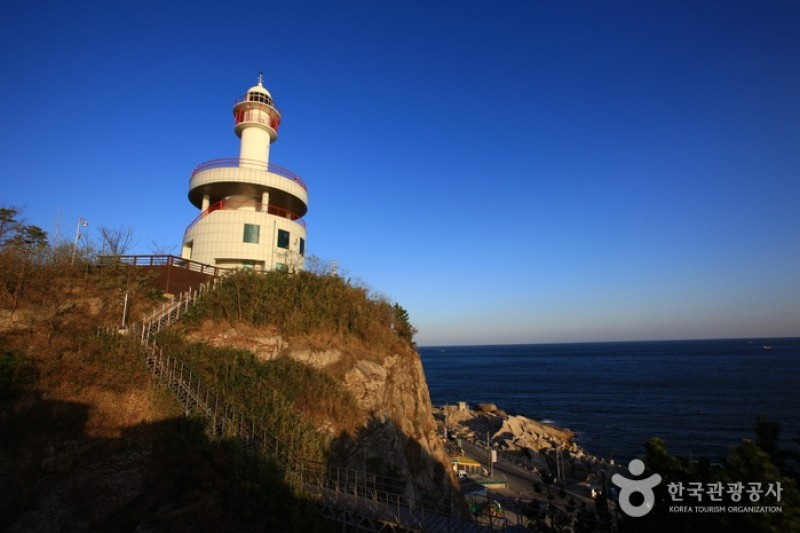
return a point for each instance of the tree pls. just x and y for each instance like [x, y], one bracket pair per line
[16, 235]
[20, 245]
[161, 249]
[767, 434]
[9, 224]
[116, 241]
[402, 324]
[746, 463]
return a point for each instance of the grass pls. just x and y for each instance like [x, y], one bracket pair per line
[287, 397]
[61, 384]
[307, 304]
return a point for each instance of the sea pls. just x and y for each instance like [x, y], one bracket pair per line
[700, 396]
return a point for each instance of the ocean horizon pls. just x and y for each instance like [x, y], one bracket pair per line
[700, 396]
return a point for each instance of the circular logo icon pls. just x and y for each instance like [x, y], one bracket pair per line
[629, 486]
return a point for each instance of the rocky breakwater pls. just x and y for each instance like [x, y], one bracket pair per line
[541, 446]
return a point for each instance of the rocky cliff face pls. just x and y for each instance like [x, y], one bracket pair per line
[100, 463]
[399, 435]
[396, 435]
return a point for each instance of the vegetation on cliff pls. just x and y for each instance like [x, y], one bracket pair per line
[308, 304]
[88, 440]
[86, 430]
[288, 398]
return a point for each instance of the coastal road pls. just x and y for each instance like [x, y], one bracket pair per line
[520, 481]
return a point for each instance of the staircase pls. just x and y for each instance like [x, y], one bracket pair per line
[171, 312]
[360, 501]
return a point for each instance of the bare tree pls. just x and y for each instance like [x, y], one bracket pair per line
[116, 241]
[162, 249]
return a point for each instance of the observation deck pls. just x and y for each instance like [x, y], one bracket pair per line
[221, 179]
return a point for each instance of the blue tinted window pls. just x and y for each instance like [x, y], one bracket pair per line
[251, 232]
[283, 239]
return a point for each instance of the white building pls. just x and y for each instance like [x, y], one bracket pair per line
[250, 209]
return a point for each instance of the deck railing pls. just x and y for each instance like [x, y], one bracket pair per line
[162, 260]
[255, 97]
[235, 162]
[236, 204]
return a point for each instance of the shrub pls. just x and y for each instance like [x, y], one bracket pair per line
[287, 397]
[304, 303]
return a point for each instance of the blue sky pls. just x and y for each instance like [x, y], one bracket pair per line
[516, 171]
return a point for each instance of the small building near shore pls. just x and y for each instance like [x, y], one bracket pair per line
[466, 464]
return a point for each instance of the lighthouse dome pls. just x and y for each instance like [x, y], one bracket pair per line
[257, 93]
[259, 89]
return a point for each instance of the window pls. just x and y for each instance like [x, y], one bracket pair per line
[283, 239]
[280, 267]
[302, 246]
[258, 97]
[251, 232]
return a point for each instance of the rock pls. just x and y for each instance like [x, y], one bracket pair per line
[315, 358]
[267, 347]
[486, 408]
[399, 434]
[521, 438]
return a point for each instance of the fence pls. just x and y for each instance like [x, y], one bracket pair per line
[352, 497]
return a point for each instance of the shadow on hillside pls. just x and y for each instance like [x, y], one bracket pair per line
[380, 448]
[163, 476]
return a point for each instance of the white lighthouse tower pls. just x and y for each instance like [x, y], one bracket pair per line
[250, 209]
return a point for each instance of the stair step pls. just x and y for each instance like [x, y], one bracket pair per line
[362, 505]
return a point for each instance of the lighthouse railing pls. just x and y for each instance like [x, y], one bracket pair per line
[235, 204]
[234, 162]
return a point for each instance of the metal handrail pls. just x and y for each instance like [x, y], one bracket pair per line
[380, 497]
[234, 204]
[161, 260]
[246, 98]
[235, 162]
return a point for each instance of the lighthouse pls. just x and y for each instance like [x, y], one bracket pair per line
[250, 209]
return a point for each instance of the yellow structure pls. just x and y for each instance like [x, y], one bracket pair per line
[466, 464]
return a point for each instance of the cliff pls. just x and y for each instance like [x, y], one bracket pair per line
[355, 346]
[391, 430]
[89, 441]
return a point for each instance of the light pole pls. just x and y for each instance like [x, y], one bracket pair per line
[125, 310]
[123, 329]
[82, 223]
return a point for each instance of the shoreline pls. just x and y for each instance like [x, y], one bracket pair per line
[537, 446]
[614, 414]
[539, 475]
